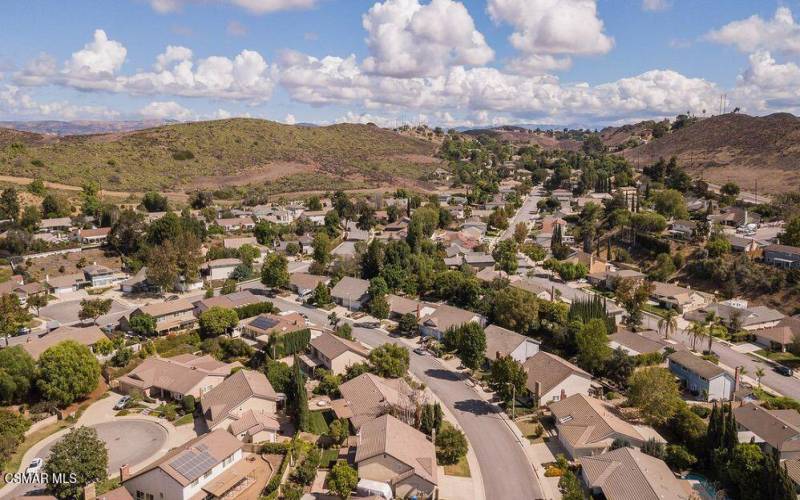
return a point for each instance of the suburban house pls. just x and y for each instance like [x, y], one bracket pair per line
[263, 326]
[391, 451]
[303, 284]
[245, 404]
[784, 256]
[229, 301]
[351, 293]
[67, 283]
[479, 260]
[209, 466]
[176, 378]
[22, 291]
[734, 216]
[683, 228]
[701, 377]
[679, 298]
[444, 317]
[236, 224]
[593, 263]
[335, 353]
[773, 430]
[88, 336]
[354, 233]
[628, 474]
[737, 315]
[586, 426]
[56, 224]
[400, 306]
[622, 274]
[551, 378]
[170, 316]
[237, 243]
[780, 336]
[637, 343]
[219, 269]
[747, 246]
[501, 342]
[137, 283]
[97, 236]
[366, 397]
[98, 276]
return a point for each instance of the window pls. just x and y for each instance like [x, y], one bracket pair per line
[227, 461]
[139, 495]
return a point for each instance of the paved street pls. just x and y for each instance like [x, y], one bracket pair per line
[506, 472]
[523, 214]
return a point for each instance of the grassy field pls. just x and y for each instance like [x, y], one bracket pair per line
[460, 469]
[318, 424]
[786, 358]
[224, 152]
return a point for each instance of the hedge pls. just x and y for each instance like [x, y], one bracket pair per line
[289, 343]
[251, 310]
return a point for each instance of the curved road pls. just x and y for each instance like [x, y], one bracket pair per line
[507, 473]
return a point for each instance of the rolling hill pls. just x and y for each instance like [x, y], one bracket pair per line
[223, 152]
[734, 147]
[76, 127]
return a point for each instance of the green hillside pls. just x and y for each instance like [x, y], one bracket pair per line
[214, 153]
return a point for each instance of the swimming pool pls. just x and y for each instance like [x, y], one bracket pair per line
[701, 485]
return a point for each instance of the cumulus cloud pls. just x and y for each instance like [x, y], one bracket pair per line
[247, 76]
[544, 29]
[781, 33]
[235, 28]
[290, 119]
[656, 5]
[165, 110]
[254, 6]
[15, 101]
[408, 39]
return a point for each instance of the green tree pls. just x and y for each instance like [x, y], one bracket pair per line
[632, 294]
[655, 393]
[94, 308]
[314, 204]
[155, 202]
[55, 205]
[17, 374]
[791, 233]
[37, 187]
[217, 321]
[126, 234]
[322, 248]
[389, 360]
[38, 301]
[30, 218]
[143, 324]
[663, 268]
[9, 204]
[507, 378]
[668, 323]
[12, 315]
[592, 343]
[730, 189]
[407, 325]
[299, 401]
[678, 458]
[670, 203]
[515, 309]
[321, 295]
[570, 486]
[520, 233]
[339, 430]
[275, 271]
[470, 344]
[80, 453]
[279, 375]
[342, 480]
[67, 371]
[744, 470]
[228, 287]
[12, 434]
[505, 256]
[451, 446]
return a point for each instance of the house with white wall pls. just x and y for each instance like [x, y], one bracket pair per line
[551, 378]
[244, 404]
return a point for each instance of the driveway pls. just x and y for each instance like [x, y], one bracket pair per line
[128, 441]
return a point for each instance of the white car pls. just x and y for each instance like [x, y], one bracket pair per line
[35, 467]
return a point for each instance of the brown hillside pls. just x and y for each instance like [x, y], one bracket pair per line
[734, 147]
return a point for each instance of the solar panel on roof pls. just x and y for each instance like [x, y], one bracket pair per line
[264, 323]
[192, 465]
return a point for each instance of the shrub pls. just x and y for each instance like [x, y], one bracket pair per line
[251, 310]
[182, 155]
[188, 404]
[289, 343]
[451, 445]
[700, 411]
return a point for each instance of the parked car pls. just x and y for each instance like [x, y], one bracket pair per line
[421, 351]
[368, 324]
[122, 402]
[35, 467]
[784, 370]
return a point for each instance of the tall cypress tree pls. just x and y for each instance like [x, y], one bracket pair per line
[300, 397]
[730, 439]
[713, 432]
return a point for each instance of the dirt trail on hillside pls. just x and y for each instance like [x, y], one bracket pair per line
[24, 181]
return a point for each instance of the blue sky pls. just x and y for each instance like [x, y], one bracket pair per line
[446, 62]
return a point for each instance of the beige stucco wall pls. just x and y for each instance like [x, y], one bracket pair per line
[349, 358]
[573, 384]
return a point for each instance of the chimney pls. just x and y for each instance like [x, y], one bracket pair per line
[124, 472]
[418, 312]
[563, 395]
[537, 389]
[89, 492]
[736, 379]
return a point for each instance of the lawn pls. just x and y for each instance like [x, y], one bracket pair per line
[329, 458]
[186, 419]
[460, 469]
[528, 429]
[318, 424]
[658, 311]
[786, 358]
[15, 461]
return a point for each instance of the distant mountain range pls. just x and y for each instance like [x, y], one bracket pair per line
[82, 127]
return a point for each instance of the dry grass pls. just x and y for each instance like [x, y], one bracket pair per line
[460, 469]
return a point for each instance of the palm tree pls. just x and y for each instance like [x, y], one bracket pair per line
[696, 331]
[759, 373]
[668, 323]
[743, 371]
[715, 330]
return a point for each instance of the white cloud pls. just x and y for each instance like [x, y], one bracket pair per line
[550, 28]
[656, 5]
[406, 38]
[175, 72]
[290, 119]
[254, 6]
[235, 28]
[781, 33]
[16, 102]
[166, 109]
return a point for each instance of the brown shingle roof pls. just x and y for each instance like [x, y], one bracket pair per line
[164, 374]
[307, 281]
[549, 370]
[252, 423]
[784, 332]
[779, 428]
[629, 474]
[350, 288]
[636, 342]
[85, 336]
[390, 436]
[234, 391]
[218, 444]
[333, 346]
[368, 396]
[501, 340]
[445, 317]
[158, 309]
[696, 364]
[587, 422]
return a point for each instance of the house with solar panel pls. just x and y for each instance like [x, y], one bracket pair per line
[264, 326]
[209, 466]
